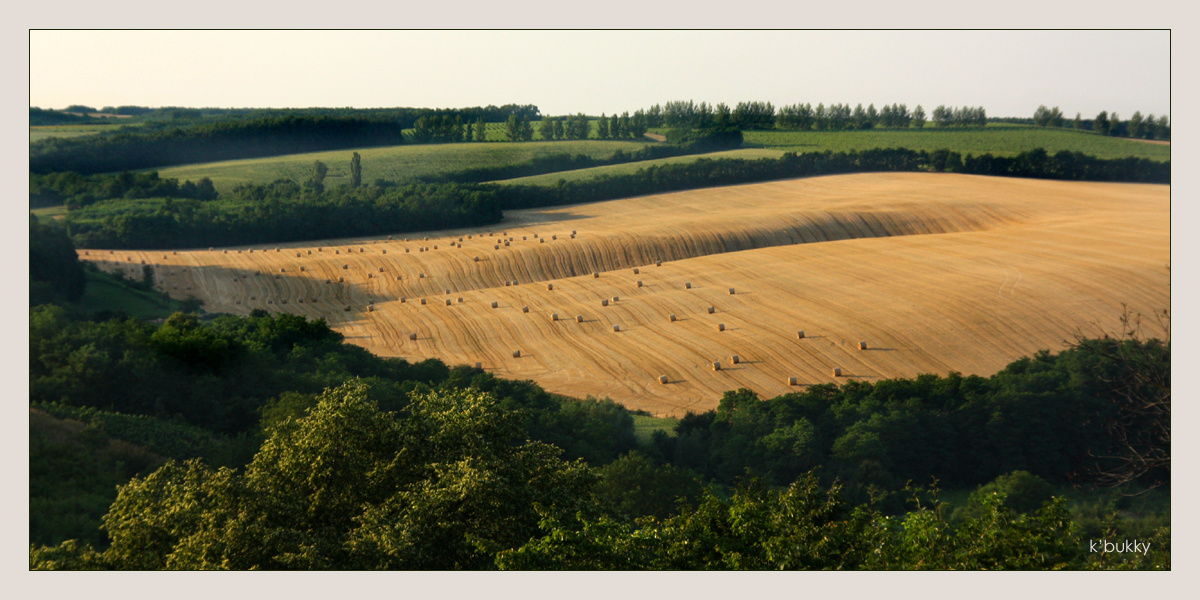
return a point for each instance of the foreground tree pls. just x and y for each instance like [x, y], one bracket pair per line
[443, 485]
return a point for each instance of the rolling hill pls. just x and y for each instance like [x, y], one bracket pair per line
[934, 272]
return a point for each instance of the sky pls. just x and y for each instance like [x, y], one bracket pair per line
[1009, 73]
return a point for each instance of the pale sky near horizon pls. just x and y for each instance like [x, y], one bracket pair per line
[1009, 73]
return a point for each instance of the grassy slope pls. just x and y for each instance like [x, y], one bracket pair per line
[401, 162]
[392, 163]
[103, 292]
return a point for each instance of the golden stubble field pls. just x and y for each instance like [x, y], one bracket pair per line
[934, 272]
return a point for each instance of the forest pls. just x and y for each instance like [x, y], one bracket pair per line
[266, 441]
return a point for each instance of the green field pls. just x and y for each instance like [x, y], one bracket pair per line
[628, 168]
[41, 132]
[645, 426]
[103, 292]
[51, 212]
[998, 139]
[393, 163]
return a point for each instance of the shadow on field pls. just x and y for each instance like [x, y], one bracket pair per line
[251, 289]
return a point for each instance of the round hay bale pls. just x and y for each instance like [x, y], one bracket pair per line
[370, 309]
[385, 250]
[448, 303]
[460, 300]
[447, 291]
[572, 236]
[399, 277]
[380, 269]
[578, 318]
[345, 267]
[800, 334]
[862, 345]
[687, 286]
[720, 327]
[573, 232]
[595, 274]
[837, 372]
[554, 237]
[616, 328]
[496, 246]
[604, 302]
[225, 251]
[616, 298]
[337, 251]
[542, 240]
[506, 244]
[516, 354]
[712, 309]
[554, 316]
[302, 269]
[310, 251]
[658, 263]
[298, 255]
[716, 366]
[791, 381]
[495, 304]
[370, 275]
[476, 259]
[478, 365]
[639, 283]
[421, 275]
[341, 280]
[730, 291]
[282, 270]
[662, 379]
[507, 283]
[524, 238]
[549, 286]
[735, 359]
[672, 318]
[406, 250]
[412, 336]
[524, 309]
[423, 301]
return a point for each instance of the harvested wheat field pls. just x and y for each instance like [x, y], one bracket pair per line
[885, 275]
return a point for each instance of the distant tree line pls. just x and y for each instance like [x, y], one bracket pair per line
[1146, 127]
[282, 211]
[704, 172]
[128, 150]
[76, 191]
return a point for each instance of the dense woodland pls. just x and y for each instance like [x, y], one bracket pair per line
[267, 442]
